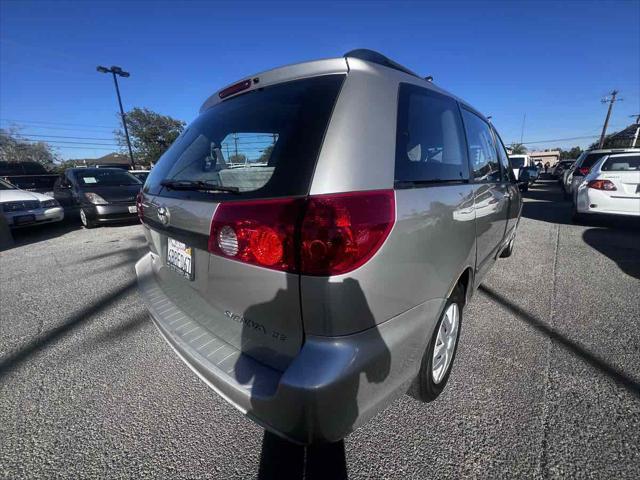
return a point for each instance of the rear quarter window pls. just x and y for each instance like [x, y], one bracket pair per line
[265, 142]
[430, 143]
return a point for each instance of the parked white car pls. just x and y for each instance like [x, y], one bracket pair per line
[22, 208]
[611, 187]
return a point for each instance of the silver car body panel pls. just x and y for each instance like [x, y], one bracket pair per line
[228, 323]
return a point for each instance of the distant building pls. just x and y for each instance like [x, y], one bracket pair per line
[552, 157]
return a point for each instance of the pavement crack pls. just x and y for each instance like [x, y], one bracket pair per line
[541, 467]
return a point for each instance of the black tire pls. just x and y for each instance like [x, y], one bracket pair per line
[427, 389]
[86, 221]
[506, 253]
[576, 217]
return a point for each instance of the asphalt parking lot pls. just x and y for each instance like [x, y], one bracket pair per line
[546, 382]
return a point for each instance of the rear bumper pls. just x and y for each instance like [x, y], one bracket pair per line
[591, 201]
[331, 387]
[40, 215]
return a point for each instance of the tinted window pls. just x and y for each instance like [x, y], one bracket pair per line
[590, 159]
[482, 151]
[264, 142]
[516, 162]
[504, 159]
[105, 178]
[622, 164]
[6, 185]
[430, 138]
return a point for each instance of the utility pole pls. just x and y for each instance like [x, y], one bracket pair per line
[114, 70]
[611, 101]
[522, 131]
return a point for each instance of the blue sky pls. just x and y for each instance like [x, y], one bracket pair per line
[553, 61]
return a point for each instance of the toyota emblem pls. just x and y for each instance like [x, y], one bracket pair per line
[163, 215]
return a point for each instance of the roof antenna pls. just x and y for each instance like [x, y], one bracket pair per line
[429, 78]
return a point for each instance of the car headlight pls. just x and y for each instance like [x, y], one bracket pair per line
[49, 203]
[95, 198]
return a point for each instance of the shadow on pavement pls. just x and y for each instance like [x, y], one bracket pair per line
[281, 459]
[22, 353]
[40, 233]
[618, 246]
[599, 364]
[548, 204]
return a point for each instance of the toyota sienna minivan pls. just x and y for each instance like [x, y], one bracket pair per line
[315, 234]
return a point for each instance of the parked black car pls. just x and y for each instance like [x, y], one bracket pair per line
[99, 195]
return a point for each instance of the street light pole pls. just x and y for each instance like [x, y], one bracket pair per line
[114, 70]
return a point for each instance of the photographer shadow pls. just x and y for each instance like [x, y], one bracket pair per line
[339, 407]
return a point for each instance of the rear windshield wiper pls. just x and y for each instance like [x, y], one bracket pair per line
[200, 185]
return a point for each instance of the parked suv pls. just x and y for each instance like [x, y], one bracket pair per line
[315, 235]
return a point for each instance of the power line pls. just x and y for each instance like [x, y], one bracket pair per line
[54, 123]
[83, 148]
[68, 142]
[561, 139]
[63, 136]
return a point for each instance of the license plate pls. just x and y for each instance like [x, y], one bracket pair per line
[133, 209]
[22, 219]
[180, 258]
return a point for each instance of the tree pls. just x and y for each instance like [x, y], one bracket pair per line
[151, 134]
[266, 154]
[518, 148]
[571, 154]
[13, 149]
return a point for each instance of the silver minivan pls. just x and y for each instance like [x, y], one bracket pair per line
[315, 234]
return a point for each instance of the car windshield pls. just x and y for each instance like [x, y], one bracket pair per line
[106, 178]
[516, 162]
[622, 164]
[4, 185]
[263, 143]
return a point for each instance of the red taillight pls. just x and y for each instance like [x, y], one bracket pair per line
[235, 88]
[340, 232]
[139, 206]
[601, 185]
[583, 170]
[321, 235]
[258, 232]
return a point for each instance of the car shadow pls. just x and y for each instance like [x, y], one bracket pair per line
[546, 204]
[572, 346]
[618, 246]
[280, 458]
[15, 358]
[40, 233]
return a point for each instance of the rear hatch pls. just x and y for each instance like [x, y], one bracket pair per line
[624, 172]
[249, 149]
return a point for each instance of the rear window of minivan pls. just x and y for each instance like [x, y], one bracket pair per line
[265, 142]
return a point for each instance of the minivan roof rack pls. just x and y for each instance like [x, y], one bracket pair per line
[375, 57]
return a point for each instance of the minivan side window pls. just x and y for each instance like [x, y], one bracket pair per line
[430, 144]
[482, 150]
[507, 171]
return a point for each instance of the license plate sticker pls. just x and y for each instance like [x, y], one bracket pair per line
[180, 258]
[133, 209]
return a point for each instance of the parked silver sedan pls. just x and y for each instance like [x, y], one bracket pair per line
[22, 208]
